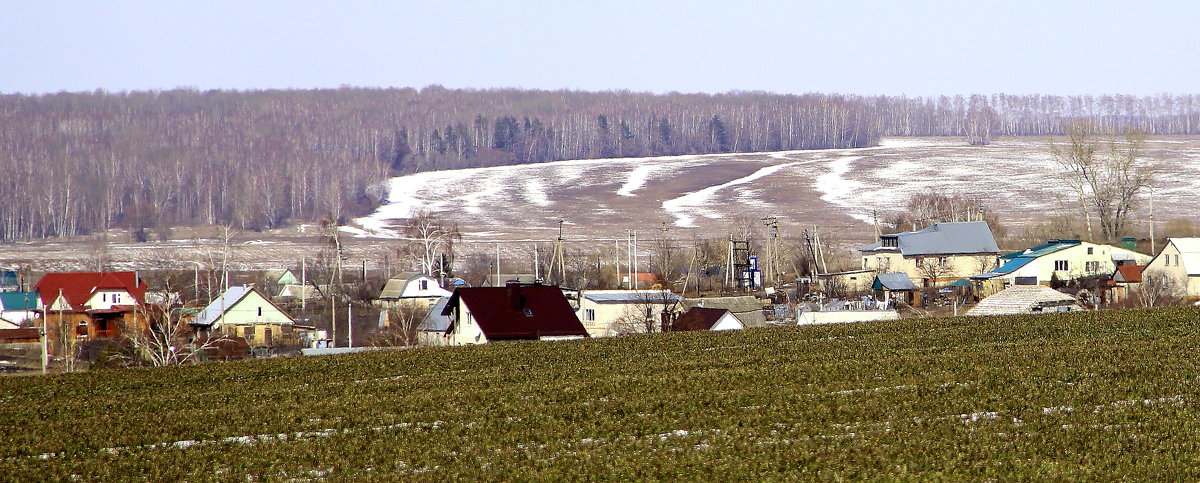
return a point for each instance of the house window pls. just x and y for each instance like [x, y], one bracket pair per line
[424, 284]
[943, 261]
[104, 296]
[589, 314]
[116, 298]
[890, 242]
[1091, 267]
[248, 333]
[1090, 250]
[528, 313]
[1060, 265]
[260, 311]
[1176, 260]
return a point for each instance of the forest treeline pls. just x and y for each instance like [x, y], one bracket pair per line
[71, 163]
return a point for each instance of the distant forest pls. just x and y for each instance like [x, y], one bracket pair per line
[71, 163]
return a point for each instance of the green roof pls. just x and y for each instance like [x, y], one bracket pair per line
[19, 300]
[1043, 249]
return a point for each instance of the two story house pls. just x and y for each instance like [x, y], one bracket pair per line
[1177, 265]
[934, 255]
[95, 305]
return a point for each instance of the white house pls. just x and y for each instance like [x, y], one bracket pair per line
[1061, 259]
[606, 313]
[1177, 265]
[411, 288]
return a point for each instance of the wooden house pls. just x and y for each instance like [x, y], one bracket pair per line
[95, 305]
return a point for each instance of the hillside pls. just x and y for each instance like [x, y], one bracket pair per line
[837, 190]
[1097, 395]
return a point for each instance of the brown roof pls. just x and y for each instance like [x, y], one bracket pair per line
[518, 311]
[698, 318]
[20, 335]
[1130, 273]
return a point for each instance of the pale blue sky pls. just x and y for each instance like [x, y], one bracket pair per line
[854, 47]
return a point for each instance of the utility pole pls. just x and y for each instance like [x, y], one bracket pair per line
[349, 323]
[1152, 243]
[772, 224]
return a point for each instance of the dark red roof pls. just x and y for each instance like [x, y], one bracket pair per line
[78, 287]
[517, 311]
[698, 318]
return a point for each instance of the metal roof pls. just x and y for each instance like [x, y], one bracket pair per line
[434, 320]
[1008, 267]
[1021, 299]
[631, 296]
[1043, 249]
[217, 307]
[943, 239]
[18, 301]
[893, 282]
[515, 311]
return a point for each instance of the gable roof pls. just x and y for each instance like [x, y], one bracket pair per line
[78, 287]
[1009, 266]
[434, 320]
[745, 307]
[1189, 252]
[699, 318]
[1021, 299]
[18, 301]
[518, 312]
[942, 239]
[895, 282]
[216, 309]
[1128, 274]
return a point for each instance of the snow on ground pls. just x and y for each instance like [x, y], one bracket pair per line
[698, 203]
[1014, 176]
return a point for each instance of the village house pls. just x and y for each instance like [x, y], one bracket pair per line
[940, 253]
[479, 315]
[432, 331]
[1177, 266]
[244, 312]
[411, 289]
[700, 318]
[96, 305]
[1060, 260]
[16, 308]
[606, 313]
[747, 308]
[1124, 281]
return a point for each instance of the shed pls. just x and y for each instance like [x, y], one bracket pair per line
[700, 318]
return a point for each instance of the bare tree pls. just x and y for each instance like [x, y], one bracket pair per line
[1157, 288]
[933, 268]
[1105, 182]
[428, 239]
[654, 311]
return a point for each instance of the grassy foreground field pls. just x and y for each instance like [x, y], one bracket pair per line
[1085, 395]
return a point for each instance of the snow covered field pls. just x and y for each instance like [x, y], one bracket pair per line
[835, 189]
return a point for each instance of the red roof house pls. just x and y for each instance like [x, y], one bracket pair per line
[513, 312]
[97, 305]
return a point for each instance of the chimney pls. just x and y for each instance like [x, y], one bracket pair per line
[512, 291]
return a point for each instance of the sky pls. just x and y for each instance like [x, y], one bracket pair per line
[914, 48]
